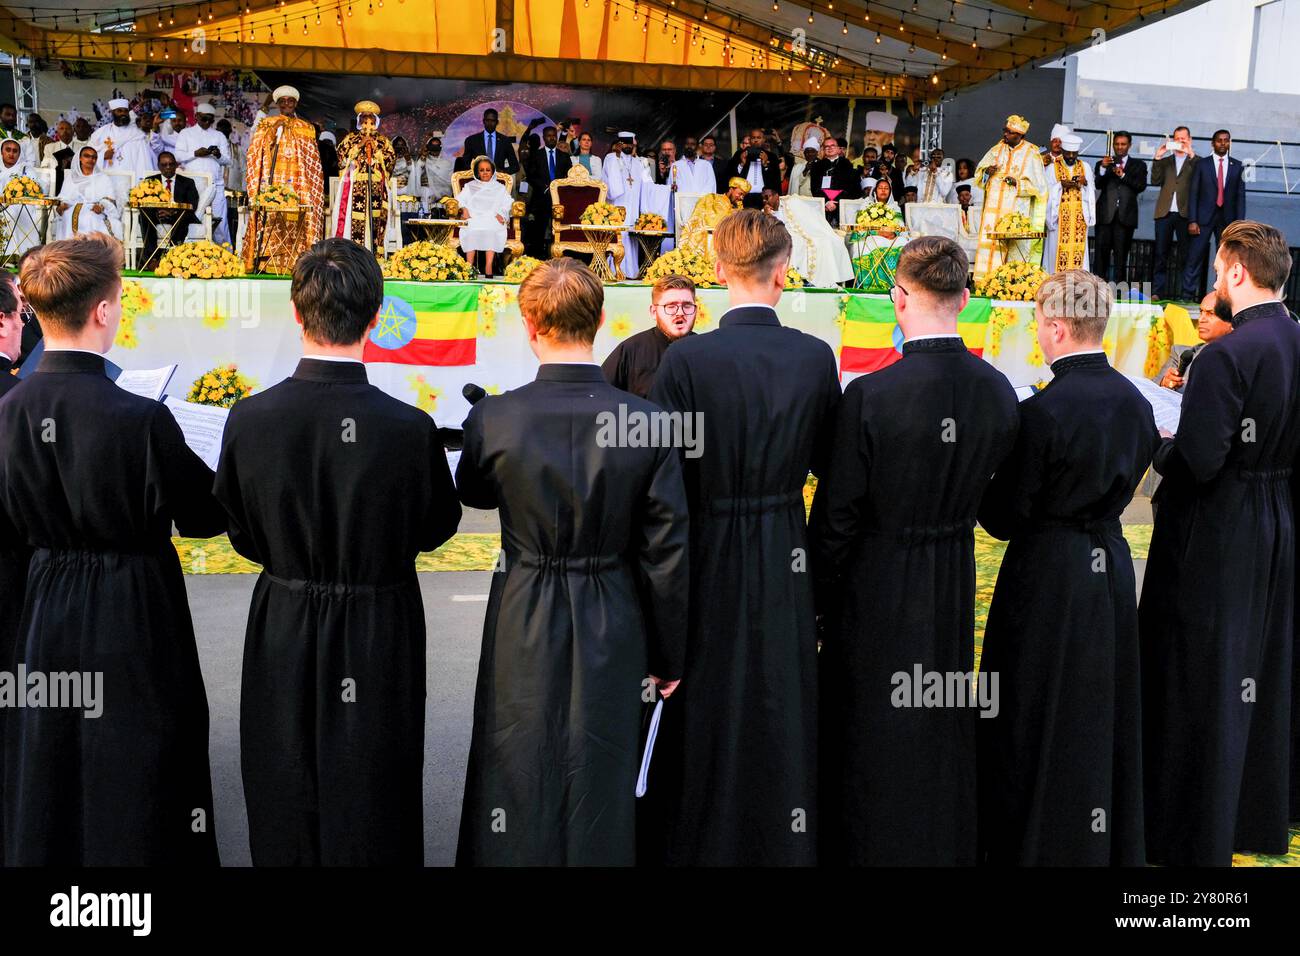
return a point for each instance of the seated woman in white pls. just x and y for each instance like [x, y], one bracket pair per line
[87, 202]
[23, 226]
[485, 203]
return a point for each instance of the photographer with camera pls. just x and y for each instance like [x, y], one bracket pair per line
[756, 163]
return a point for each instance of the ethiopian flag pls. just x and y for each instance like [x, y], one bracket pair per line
[871, 339]
[423, 324]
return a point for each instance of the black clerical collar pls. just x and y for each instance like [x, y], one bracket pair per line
[935, 343]
[1273, 307]
[319, 370]
[570, 372]
[752, 314]
[1080, 360]
[71, 360]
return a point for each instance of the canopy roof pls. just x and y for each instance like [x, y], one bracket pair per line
[898, 48]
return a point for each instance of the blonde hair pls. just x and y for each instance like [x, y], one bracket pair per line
[563, 299]
[1261, 250]
[751, 244]
[1079, 299]
[64, 280]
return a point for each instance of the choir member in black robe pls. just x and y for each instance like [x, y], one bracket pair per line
[1060, 763]
[14, 556]
[894, 557]
[1216, 614]
[745, 730]
[633, 363]
[336, 509]
[588, 603]
[92, 478]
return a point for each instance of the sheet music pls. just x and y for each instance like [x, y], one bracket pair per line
[202, 426]
[147, 383]
[1166, 404]
[643, 777]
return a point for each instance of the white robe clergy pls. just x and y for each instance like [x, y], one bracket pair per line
[937, 187]
[190, 141]
[626, 177]
[23, 221]
[132, 150]
[695, 176]
[82, 193]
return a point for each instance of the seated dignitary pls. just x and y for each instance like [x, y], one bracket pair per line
[169, 225]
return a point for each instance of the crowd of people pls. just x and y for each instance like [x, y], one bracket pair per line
[816, 674]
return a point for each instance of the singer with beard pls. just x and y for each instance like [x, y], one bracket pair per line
[633, 363]
[122, 146]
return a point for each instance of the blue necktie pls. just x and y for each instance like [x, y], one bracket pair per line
[492, 146]
[551, 154]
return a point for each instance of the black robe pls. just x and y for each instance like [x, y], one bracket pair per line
[92, 478]
[588, 598]
[14, 557]
[634, 362]
[354, 484]
[894, 557]
[1066, 741]
[745, 727]
[1216, 614]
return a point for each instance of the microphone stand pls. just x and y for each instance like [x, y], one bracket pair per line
[261, 210]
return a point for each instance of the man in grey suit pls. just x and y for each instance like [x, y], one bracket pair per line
[1172, 172]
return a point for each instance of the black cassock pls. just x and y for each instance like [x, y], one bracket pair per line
[589, 596]
[1060, 765]
[92, 479]
[1216, 614]
[742, 732]
[14, 557]
[633, 364]
[894, 555]
[334, 487]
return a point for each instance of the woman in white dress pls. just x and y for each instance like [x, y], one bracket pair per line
[87, 201]
[22, 226]
[586, 158]
[485, 203]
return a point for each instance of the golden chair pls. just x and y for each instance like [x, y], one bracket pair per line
[570, 197]
[514, 228]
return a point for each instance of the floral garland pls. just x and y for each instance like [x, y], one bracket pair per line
[426, 261]
[1159, 342]
[221, 386]
[1000, 319]
[200, 260]
[1012, 282]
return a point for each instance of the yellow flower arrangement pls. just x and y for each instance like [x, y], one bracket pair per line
[275, 196]
[136, 299]
[1159, 341]
[698, 267]
[793, 280]
[1012, 282]
[877, 215]
[1013, 223]
[222, 386]
[650, 222]
[200, 260]
[603, 214]
[149, 192]
[519, 269]
[22, 187]
[426, 261]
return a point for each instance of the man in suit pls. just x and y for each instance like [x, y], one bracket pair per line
[1120, 179]
[1215, 198]
[1172, 172]
[545, 164]
[834, 172]
[495, 146]
[709, 153]
[756, 163]
[172, 223]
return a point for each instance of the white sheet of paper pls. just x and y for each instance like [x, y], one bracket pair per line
[148, 382]
[1025, 391]
[202, 426]
[453, 459]
[643, 778]
[1166, 404]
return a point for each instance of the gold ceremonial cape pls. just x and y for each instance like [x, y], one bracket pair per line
[1072, 235]
[711, 209]
[1028, 196]
[297, 165]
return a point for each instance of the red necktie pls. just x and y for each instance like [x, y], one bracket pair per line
[1219, 201]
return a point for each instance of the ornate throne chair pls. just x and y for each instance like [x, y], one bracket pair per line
[570, 197]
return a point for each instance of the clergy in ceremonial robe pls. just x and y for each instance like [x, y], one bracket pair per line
[204, 149]
[355, 485]
[283, 152]
[1060, 762]
[633, 363]
[92, 479]
[587, 608]
[1216, 614]
[122, 146]
[14, 554]
[1012, 179]
[1071, 208]
[893, 554]
[745, 732]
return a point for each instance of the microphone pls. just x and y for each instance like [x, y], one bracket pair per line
[473, 393]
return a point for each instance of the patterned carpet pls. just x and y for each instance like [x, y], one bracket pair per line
[478, 552]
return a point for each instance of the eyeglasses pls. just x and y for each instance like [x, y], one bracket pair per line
[898, 288]
[678, 308]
